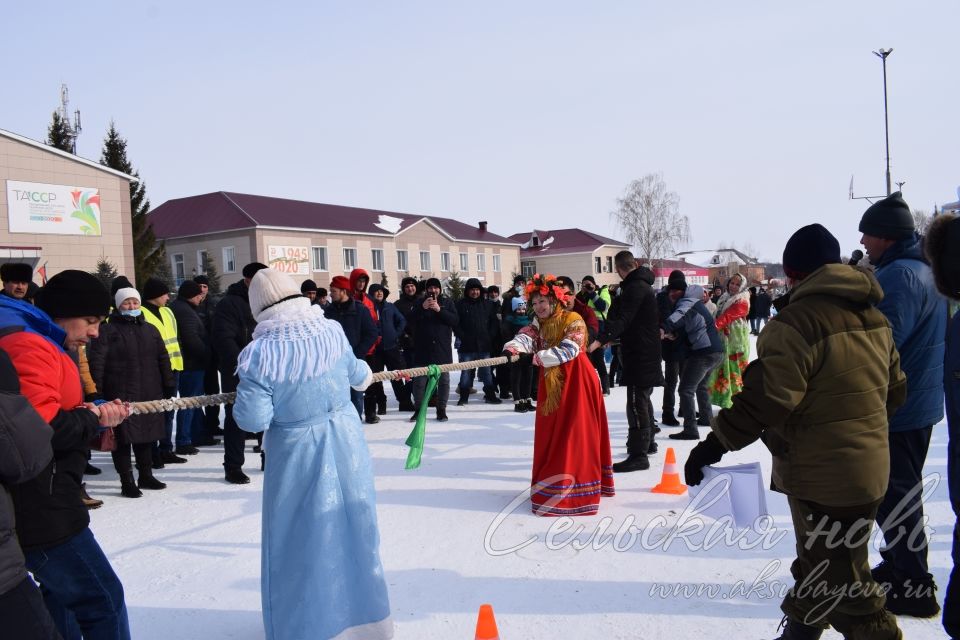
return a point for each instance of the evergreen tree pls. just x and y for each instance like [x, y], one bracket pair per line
[384, 281]
[105, 272]
[210, 270]
[60, 133]
[148, 254]
[455, 286]
[164, 274]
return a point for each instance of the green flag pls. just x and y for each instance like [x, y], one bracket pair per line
[416, 437]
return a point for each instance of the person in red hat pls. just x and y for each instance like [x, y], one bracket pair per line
[357, 325]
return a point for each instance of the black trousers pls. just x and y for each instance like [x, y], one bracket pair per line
[141, 452]
[640, 431]
[521, 378]
[24, 615]
[596, 359]
[393, 361]
[374, 394]
[233, 436]
[442, 392]
[615, 365]
[906, 543]
[211, 385]
[671, 375]
[951, 600]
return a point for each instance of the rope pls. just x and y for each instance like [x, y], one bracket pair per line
[197, 402]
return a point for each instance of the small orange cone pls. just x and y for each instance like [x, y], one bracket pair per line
[670, 480]
[486, 624]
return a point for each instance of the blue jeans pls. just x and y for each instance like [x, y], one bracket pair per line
[190, 427]
[693, 390]
[466, 376]
[167, 443]
[80, 589]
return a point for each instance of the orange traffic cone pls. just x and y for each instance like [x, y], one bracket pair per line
[486, 624]
[670, 480]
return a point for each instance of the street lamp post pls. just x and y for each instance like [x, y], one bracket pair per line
[882, 54]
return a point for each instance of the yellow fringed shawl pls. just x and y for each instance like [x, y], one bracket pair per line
[562, 325]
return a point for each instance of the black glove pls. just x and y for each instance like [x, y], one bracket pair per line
[704, 454]
[169, 392]
[509, 355]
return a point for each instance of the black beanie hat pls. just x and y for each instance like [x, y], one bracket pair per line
[676, 274]
[201, 279]
[889, 218]
[187, 290]
[251, 269]
[154, 288]
[589, 279]
[308, 285]
[16, 272]
[677, 284]
[520, 279]
[473, 283]
[120, 282]
[74, 294]
[808, 249]
[406, 281]
[433, 282]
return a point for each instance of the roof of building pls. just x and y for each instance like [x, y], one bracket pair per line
[64, 154]
[561, 241]
[227, 211]
[670, 265]
[705, 258]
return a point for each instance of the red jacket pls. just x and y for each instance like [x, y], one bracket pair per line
[49, 379]
[589, 316]
[366, 301]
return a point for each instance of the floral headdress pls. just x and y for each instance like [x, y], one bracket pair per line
[546, 285]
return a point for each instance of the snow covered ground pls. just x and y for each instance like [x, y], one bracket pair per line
[189, 556]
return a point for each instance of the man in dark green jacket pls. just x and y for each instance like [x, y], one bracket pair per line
[820, 394]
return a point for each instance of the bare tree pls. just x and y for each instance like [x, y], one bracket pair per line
[921, 220]
[650, 218]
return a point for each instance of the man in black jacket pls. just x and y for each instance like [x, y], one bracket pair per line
[24, 453]
[233, 326]
[357, 325]
[435, 320]
[671, 351]
[476, 330]
[195, 349]
[634, 319]
[211, 376]
[409, 300]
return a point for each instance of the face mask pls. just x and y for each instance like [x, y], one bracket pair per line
[518, 288]
[133, 313]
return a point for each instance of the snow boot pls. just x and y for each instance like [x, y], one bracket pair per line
[88, 502]
[669, 420]
[685, 435]
[464, 397]
[633, 463]
[520, 406]
[381, 406]
[793, 630]
[442, 414]
[147, 481]
[236, 476]
[91, 470]
[128, 488]
[915, 599]
[490, 397]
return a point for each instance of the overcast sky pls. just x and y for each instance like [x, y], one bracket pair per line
[526, 114]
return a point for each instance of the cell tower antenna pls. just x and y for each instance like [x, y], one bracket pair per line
[64, 111]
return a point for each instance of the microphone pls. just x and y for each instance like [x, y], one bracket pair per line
[856, 257]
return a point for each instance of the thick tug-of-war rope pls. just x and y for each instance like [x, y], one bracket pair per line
[196, 402]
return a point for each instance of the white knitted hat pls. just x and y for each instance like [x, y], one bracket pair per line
[123, 294]
[269, 287]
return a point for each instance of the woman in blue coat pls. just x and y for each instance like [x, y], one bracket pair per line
[321, 575]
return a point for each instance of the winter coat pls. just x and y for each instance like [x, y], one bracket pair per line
[764, 303]
[634, 320]
[49, 508]
[433, 342]
[599, 300]
[233, 326]
[477, 324]
[194, 343]
[692, 316]
[670, 350]
[918, 316]
[128, 361]
[821, 391]
[367, 302]
[406, 306]
[357, 325]
[589, 317]
[392, 322]
[24, 453]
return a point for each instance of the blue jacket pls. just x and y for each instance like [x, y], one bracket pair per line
[690, 315]
[392, 322]
[918, 316]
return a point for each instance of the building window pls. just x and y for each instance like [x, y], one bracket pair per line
[229, 260]
[528, 268]
[464, 263]
[201, 260]
[424, 261]
[496, 263]
[597, 264]
[444, 262]
[376, 255]
[481, 263]
[349, 259]
[178, 270]
[609, 264]
[402, 261]
[320, 259]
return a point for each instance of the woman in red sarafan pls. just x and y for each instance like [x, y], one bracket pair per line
[571, 449]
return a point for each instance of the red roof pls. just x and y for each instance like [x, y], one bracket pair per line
[563, 241]
[223, 211]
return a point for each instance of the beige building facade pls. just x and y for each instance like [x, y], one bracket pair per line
[569, 252]
[422, 247]
[59, 211]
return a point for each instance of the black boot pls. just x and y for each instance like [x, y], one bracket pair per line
[128, 488]
[382, 407]
[917, 599]
[490, 397]
[441, 414]
[669, 420]
[236, 476]
[793, 630]
[263, 460]
[464, 396]
[372, 418]
[637, 462]
[520, 406]
[92, 470]
[147, 481]
[686, 435]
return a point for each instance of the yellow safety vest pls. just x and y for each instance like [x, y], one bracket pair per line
[167, 326]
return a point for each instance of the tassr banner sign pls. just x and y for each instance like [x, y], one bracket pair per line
[53, 208]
